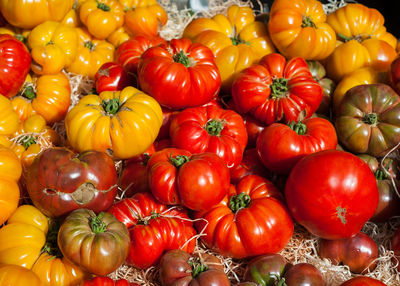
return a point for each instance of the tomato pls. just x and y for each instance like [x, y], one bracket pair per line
[99, 244]
[281, 146]
[180, 268]
[168, 115]
[332, 194]
[368, 119]
[180, 74]
[60, 181]
[358, 252]
[196, 181]
[112, 77]
[105, 281]
[17, 275]
[253, 128]
[128, 53]
[304, 274]
[276, 90]
[298, 29]
[395, 74]
[9, 121]
[210, 129]
[153, 229]
[362, 281]
[266, 269]
[395, 246]
[251, 220]
[118, 37]
[112, 122]
[15, 62]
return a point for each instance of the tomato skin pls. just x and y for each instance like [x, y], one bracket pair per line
[263, 269]
[320, 196]
[14, 65]
[277, 90]
[395, 246]
[177, 85]
[260, 226]
[395, 74]
[280, 147]
[153, 229]
[106, 281]
[199, 183]
[210, 129]
[18, 275]
[362, 281]
[304, 274]
[112, 77]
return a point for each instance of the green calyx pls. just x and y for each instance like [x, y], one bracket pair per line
[279, 87]
[89, 45]
[299, 127]
[27, 141]
[146, 220]
[97, 224]
[236, 41]
[307, 22]
[51, 245]
[29, 92]
[238, 202]
[111, 106]
[383, 172]
[181, 58]
[20, 37]
[370, 118]
[214, 127]
[197, 266]
[103, 6]
[178, 160]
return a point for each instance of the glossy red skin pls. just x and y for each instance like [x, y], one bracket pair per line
[324, 184]
[265, 226]
[106, 281]
[168, 115]
[174, 85]
[57, 173]
[133, 177]
[162, 144]
[129, 52]
[253, 128]
[395, 74]
[304, 274]
[395, 246]
[171, 230]
[198, 184]
[357, 252]
[15, 62]
[280, 147]
[362, 281]
[251, 90]
[250, 165]
[112, 77]
[188, 131]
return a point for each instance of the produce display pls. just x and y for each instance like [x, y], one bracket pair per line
[248, 144]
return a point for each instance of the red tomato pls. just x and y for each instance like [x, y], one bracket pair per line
[395, 245]
[195, 181]
[251, 220]
[15, 62]
[180, 74]
[281, 146]
[276, 90]
[332, 194]
[153, 228]
[112, 77]
[362, 281]
[168, 115]
[210, 129]
[253, 128]
[106, 281]
[395, 74]
[129, 52]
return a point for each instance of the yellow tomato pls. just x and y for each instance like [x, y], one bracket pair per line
[118, 37]
[9, 121]
[124, 123]
[12, 275]
[53, 47]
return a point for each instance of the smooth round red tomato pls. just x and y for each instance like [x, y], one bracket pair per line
[332, 194]
[362, 281]
[210, 129]
[196, 181]
[112, 77]
[281, 146]
[106, 281]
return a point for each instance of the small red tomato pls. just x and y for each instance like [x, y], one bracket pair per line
[362, 281]
[112, 77]
[106, 281]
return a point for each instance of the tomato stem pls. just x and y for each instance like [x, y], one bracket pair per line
[97, 225]
[27, 141]
[236, 41]
[238, 202]
[382, 172]
[103, 6]
[111, 106]
[299, 127]
[279, 87]
[51, 245]
[214, 127]
[29, 92]
[182, 58]
[307, 22]
[197, 266]
[90, 45]
[178, 160]
[370, 118]
[20, 37]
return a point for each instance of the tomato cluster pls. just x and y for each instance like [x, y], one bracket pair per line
[120, 146]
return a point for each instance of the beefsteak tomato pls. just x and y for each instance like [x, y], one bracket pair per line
[277, 90]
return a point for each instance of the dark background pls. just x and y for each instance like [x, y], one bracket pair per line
[390, 9]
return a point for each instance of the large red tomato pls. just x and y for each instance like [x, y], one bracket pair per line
[180, 74]
[112, 77]
[153, 228]
[15, 62]
[277, 90]
[332, 194]
[196, 181]
[210, 129]
[60, 181]
[251, 220]
[281, 146]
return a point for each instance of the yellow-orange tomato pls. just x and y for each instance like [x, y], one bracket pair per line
[11, 275]
[143, 17]
[237, 40]
[92, 53]
[298, 28]
[9, 120]
[53, 47]
[28, 14]
[101, 17]
[118, 37]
